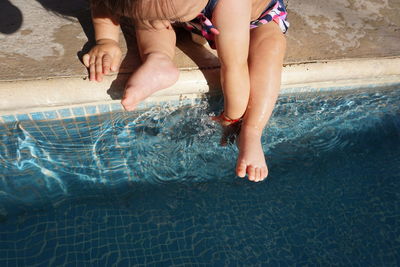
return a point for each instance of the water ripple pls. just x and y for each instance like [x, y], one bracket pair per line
[169, 145]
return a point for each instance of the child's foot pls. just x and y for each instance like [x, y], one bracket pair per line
[230, 128]
[157, 72]
[251, 160]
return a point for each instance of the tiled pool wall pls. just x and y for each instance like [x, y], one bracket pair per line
[86, 110]
[83, 110]
[331, 200]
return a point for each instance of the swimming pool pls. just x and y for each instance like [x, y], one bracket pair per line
[155, 188]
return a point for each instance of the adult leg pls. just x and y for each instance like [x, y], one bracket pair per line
[267, 49]
[157, 49]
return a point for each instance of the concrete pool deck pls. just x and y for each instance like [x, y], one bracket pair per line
[339, 42]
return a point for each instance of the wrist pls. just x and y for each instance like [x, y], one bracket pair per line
[101, 41]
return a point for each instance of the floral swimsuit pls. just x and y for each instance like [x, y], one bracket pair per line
[202, 25]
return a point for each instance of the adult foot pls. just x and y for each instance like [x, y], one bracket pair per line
[157, 72]
[251, 159]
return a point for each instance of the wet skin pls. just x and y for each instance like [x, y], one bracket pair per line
[250, 77]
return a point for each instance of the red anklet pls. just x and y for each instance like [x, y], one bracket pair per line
[227, 119]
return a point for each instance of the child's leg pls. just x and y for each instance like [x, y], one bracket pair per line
[157, 49]
[267, 48]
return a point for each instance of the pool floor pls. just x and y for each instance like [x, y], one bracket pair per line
[155, 188]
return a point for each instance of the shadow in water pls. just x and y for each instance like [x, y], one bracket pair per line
[10, 17]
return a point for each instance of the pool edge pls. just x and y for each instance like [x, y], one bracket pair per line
[23, 96]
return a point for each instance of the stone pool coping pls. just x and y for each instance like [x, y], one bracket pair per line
[27, 96]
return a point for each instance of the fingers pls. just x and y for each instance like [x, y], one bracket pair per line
[98, 66]
[116, 61]
[86, 59]
[92, 68]
[102, 58]
[89, 62]
[107, 60]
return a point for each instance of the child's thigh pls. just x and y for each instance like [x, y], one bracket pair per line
[267, 38]
[266, 53]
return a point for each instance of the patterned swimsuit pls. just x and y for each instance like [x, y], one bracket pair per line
[202, 25]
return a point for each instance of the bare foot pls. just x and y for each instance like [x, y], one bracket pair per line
[230, 130]
[157, 72]
[251, 160]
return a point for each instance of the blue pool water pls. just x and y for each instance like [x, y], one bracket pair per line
[155, 188]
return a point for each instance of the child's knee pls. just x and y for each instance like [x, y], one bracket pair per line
[273, 41]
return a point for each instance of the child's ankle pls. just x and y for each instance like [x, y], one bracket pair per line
[224, 120]
[251, 130]
[158, 56]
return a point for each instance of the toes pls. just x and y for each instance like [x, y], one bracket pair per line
[241, 169]
[131, 97]
[251, 172]
[128, 106]
[255, 174]
[258, 175]
[157, 72]
[129, 103]
[264, 173]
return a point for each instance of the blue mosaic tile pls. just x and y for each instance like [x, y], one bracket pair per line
[3, 128]
[50, 115]
[13, 262]
[46, 130]
[91, 109]
[30, 127]
[82, 119]
[23, 117]
[104, 108]
[64, 113]
[78, 111]
[37, 116]
[116, 107]
[58, 128]
[8, 118]
[331, 172]
[69, 121]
